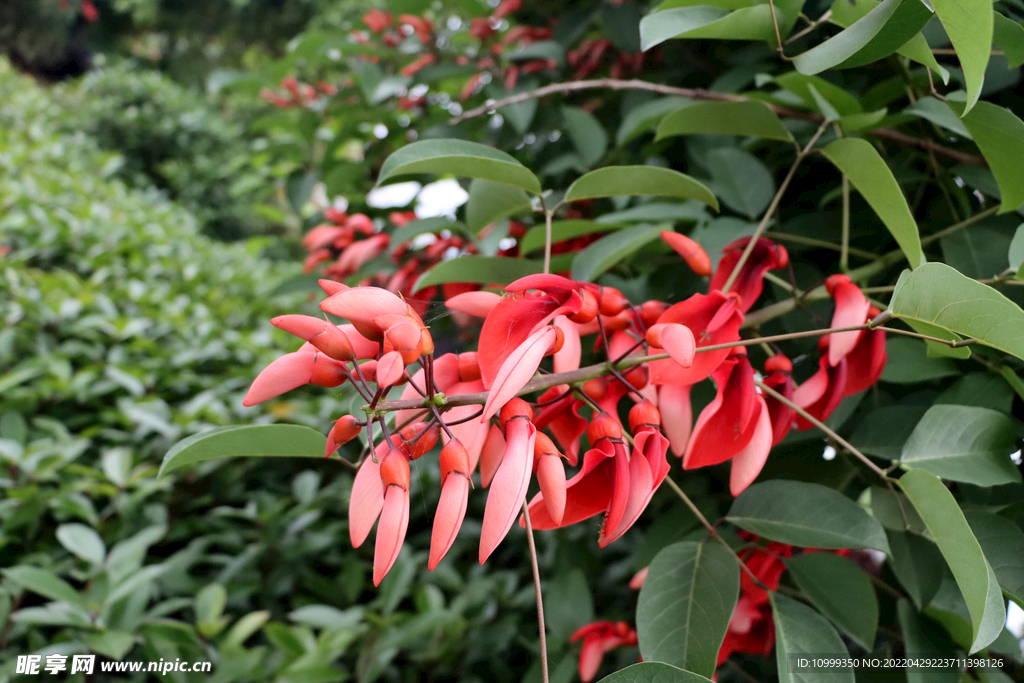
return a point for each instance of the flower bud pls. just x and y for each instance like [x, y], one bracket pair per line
[643, 413]
[611, 302]
[778, 363]
[469, 366]
[588, 310]
[423, 443]
[603, 427]
[516, 407]
[595, 389]
[454, 458]
[394, 470]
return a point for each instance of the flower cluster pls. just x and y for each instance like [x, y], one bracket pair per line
[296, 94]
[652, 355]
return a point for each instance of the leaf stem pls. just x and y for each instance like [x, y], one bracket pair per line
[540, 597]
[844, 254]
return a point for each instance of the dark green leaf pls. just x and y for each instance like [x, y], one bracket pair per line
[939, 295]
[869, 173]
[685, 605]
[1003, 544]
[964, 443]
[1015, 255]
[908, 362]
[459, 158]
[999, 135]
[113, 644]
[841, 591]
[801, 85]
[750, 118]
[282, 440]
[482, 270]
[847, 12]
[799, 630]
[883, 432]
[646, 116]
[568, 603]
[658, 212]
[489, 202]
[922, 638]
[742, 181]
[562, 230]
[885, 29]
[917, 563]
[979, 251]
[82, 541]
[1011, 378]
[978, 389]
[587, 134]
[653, 672]
[618, 181]
[946, 523]
[610, 250]
[806, 514]
[968, 24]
[1008, 36]
[43, 582]
[940, 114]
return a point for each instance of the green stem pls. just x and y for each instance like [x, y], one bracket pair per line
[844, 254]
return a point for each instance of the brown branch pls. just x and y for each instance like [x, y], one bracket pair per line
[701, 94]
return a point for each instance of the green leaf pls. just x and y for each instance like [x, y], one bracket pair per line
[459, 158]
[704, 21]
[1016, 253]
[113, 644]
[245, 627]
[587, 134]
[82, 541]
[909, 363]
[969, 25]
[482, 270]
[923, 638]
[489, 202]
[979, 389]
[917, 563]
[325, 616]
[883, 432]
[749, 118]
[1011, 378]
[653, 672]
[646, 116]
[562, 230]
[799, 630]
[939, 295]
[805, 514]
[209, 603]
[658, 212]
[869, 173]
[742, 181]
[841, 591]
[937, 349]
[1008, 36]
[611, 249]
[881, 32]
[847, 12]
[618, 181]
[999, 135]
[282, 440]
[685, 605]
[964, 443]
[801, 85]
[946, 523]
[940, 114]
[44, 582]
[1003, 544]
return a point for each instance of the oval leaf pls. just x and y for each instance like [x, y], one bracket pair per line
[939, 295]
[841, 591]
[82, 541]
[750, 118]
[460, 158]
[881, 32]
[587, 134]
[964, 443]
[610, 250]
[484, 270]
[869, 173]
[703, 21]
[946, 523]
[646, 116]
[800, 631]
[489, 202]
[742, 180]
[562, 230]
[43, 582]
[292, 441]
[618, 181]
[653, 672]
[685, 605]
[1003, 544]
[808, 515]
[999, 135]
[969, 25]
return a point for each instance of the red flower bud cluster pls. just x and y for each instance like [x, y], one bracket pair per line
[293, 93]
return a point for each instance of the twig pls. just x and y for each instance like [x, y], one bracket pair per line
[812, 242]
[844, 253]
[778, 35]
[813, 25]
[540, 598]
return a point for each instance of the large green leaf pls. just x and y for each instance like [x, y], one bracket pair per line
[805, 514]
[869, 173]
[964, 443]
[611, 249]
[82, 541]
[962, 552]
[587, 134]
[460, 158]
[917, 563]
[847, 12]
[882, 31]
[618, 181]
[883, 432]
[800, 631]
[999, 135]
[749, 118]
[489, 202]
[940, 114]
[742, 180]
[969, 25]
[704, 21]
[653, 672]
[44, 582]
[1003, 544]
[841, 591]
[923, 638]
[909, 362]
[685, 605]
[939, 295]
[646, 116]
[1008, 36]
[562, 230]
[292, 441]
[484, 270]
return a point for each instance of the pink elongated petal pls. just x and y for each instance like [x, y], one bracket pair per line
[637, 582]
[568, 357]
[551, 477]
[446, 372]
[476, 304]
[517, 370]
[363, 347]
[851, 309]
[490, 455]
[394, 521]
[705, 415]
[389, 369]
[641, 483]
[679, 342]
[544, 282]
[811, 391]
[586, 494]
[508, 488]
[451, 510]
[332, 287]
[288, 372]
[471, 433]
[362, 304]
[590, 658]
[367, 498]
[747, 464]
[620, 487]
[404, 335]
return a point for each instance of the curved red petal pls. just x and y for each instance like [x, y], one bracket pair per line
[676, 416]
[476, 304]
[851, 309]
[490, 455]
[394, 521]
[641, 483]
[367, 498]
[390, 368]
[747, 464]
[697, 313]
[517, 370]
[679, 342]
[620, 487]
[508, 487]
[288, 372]
[551, 477]
[509, 324]
[451, 510]
[568, 357]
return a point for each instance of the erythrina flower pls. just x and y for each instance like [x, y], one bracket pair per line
[823, 391]
[451, 508]
[713, 318]
[599, 638]
[394, 515]
[306, 366]
[851, 309]
[509, 484]
[779, 378]
[692, 253]
[765, 256]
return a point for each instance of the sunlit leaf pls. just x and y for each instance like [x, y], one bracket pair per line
[459, 158]
[969, 25]
[276, 440]
[618, 181]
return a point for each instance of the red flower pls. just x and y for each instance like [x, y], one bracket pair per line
[89, 11]
[765, 256]
[377, 21]
[713, 318]
[599, 638]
